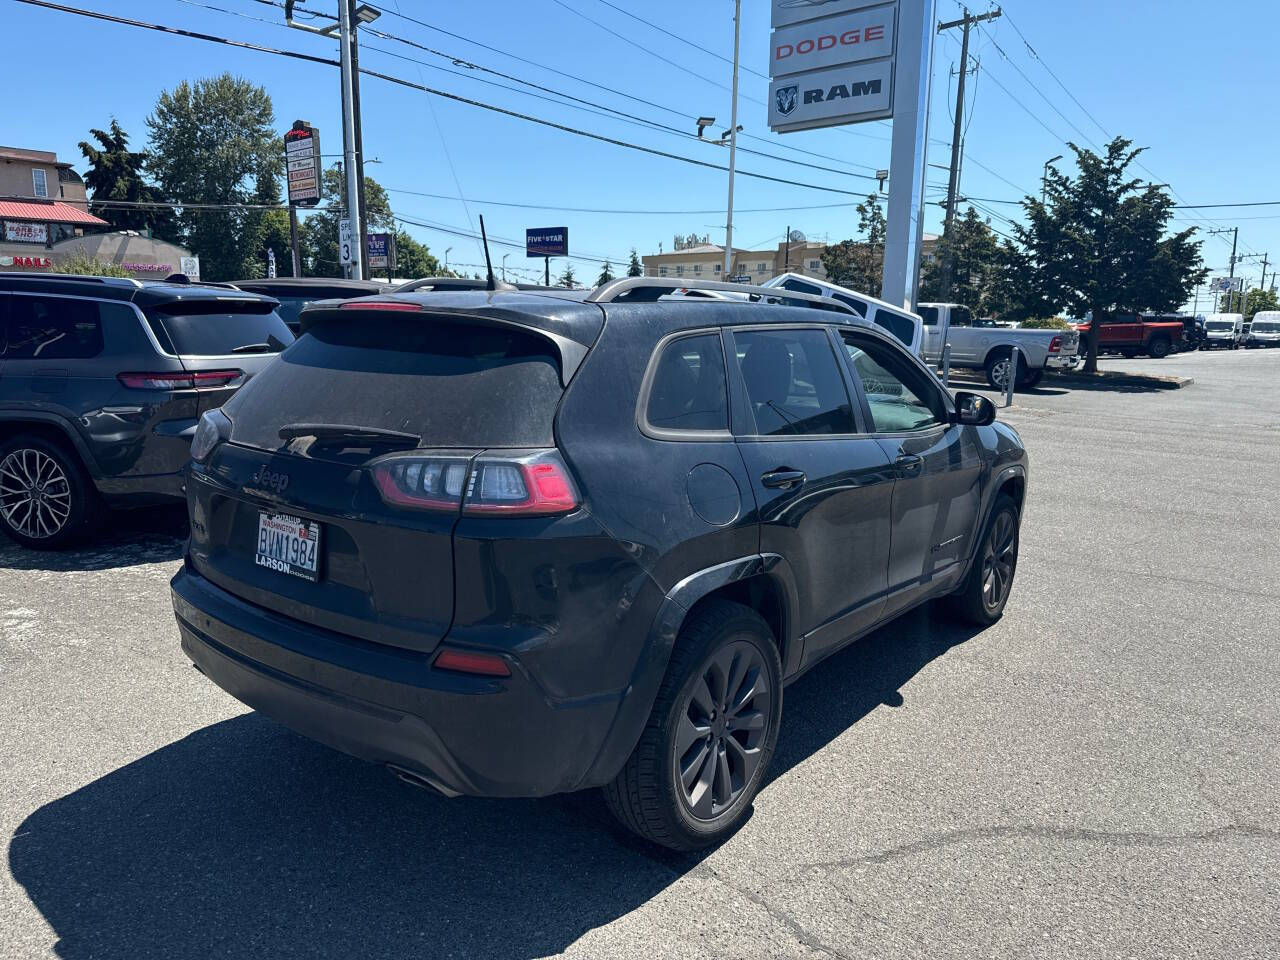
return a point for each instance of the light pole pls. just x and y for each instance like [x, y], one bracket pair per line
[1044, 177]
[504, 267]
[733, 140]
[446, 260]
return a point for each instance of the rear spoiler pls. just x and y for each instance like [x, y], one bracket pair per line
[570, 352]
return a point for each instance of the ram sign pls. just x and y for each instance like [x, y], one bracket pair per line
[831, 63]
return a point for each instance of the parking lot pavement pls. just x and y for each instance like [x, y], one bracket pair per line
[1094, 776]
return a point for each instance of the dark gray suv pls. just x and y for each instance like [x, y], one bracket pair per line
[512, 544]
[102, 382]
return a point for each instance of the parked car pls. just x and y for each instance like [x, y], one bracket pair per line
[979, 344]
[456, 284]
[102, 381]
[294, 293]
[1193, 332]
[903, 324]
[1223, 330]
[515, 544]
[1132, 334]
[1265, 331]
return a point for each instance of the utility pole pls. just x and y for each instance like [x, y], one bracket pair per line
[1235, 236]
[966, 22]
[733, 140]
[293, 240]
[351, 162]
[355, 17]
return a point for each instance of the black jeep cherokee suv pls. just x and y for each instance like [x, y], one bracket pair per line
[102, 382]
[513, 544]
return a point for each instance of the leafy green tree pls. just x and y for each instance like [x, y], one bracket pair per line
[635, 268]
[1258, 299]
[859, 264]
[606, 274]
[213, 142]
[320, 233]
[413, 260]
[567, 279]
[268, 230]
[971, 249]
[116, 173]
[1100, 243]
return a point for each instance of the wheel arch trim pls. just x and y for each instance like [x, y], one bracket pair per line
[17, 418]
[637, 699]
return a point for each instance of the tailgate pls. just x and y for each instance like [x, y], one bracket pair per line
[382, 575]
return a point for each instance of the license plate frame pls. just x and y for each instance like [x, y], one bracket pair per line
[288, 545]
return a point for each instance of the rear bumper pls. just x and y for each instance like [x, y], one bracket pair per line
[465, 735]
[1060, 361]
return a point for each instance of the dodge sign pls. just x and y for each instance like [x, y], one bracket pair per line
[831, 62]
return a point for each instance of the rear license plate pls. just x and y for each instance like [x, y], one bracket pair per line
[289, 545]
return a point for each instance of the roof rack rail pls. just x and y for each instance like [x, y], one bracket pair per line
[649, 289]
[78, 277]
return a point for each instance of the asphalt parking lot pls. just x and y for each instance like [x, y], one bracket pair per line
[1098, 775]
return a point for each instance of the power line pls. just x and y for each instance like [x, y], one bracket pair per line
[684, 40]
[614, 211]
[457, 98]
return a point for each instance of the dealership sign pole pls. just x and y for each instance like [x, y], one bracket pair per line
[853, 61]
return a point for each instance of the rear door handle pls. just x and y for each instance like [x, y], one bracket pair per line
[909, 465]
[783, 479]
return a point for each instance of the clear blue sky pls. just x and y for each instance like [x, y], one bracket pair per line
[1194, 84]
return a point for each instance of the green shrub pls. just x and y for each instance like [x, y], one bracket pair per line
[82, 264]
[1046, 323]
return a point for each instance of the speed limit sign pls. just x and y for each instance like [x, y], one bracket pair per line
[344, 241]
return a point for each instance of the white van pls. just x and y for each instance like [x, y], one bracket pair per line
[1265, 331]
[1224, 330]
[903, 324]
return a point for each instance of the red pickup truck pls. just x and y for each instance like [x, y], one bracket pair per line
[1131, 334]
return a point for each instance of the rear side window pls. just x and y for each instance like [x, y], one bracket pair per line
[687, 391]
[448, 383]
[801, 287]
[210, 329]
[903, 328]
[859, 307]
[793, 382]
[929, 316]
[52, 328]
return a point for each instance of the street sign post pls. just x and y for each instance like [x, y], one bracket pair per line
[302, 159]
[345, 249]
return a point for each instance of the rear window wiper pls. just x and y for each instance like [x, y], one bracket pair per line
[326, 433]
[271, 346]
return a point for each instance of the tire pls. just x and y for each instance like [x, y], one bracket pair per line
[972, 601]
[65, 506]
[687, 731]
[1159, 348]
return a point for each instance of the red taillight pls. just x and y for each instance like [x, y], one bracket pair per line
[464, 661]
[379, 305]
[1055, 344]
[180, 381]
[421, 483]
[533, 486]
[524, 483]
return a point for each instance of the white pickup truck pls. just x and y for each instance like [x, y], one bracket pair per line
[981, 345]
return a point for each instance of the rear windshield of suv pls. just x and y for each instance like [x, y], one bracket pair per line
[451, 384]
[211, 329]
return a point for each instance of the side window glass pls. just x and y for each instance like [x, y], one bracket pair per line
[859, 307]
[793, 382]
[900, 399]
[53, 328]
[961, 317]
[901, 327]
[688, 388]
[800, 286]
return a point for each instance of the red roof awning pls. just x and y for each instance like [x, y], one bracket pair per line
[48, 213]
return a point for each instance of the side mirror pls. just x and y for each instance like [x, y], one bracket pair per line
[974, 410]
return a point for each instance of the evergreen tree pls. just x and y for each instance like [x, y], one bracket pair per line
[859, 264]
[116, 173]
[567, 279]
[635, 268]
[606, 274]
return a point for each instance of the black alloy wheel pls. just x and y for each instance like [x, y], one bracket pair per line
[711, 733]
[982, 595]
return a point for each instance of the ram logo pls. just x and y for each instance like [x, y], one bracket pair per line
[787, 98]
[842, 91]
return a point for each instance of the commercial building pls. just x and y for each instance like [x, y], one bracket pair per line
[42, 203]
[45, 218]
[695, 258]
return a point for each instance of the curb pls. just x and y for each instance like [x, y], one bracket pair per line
[1157, 381]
